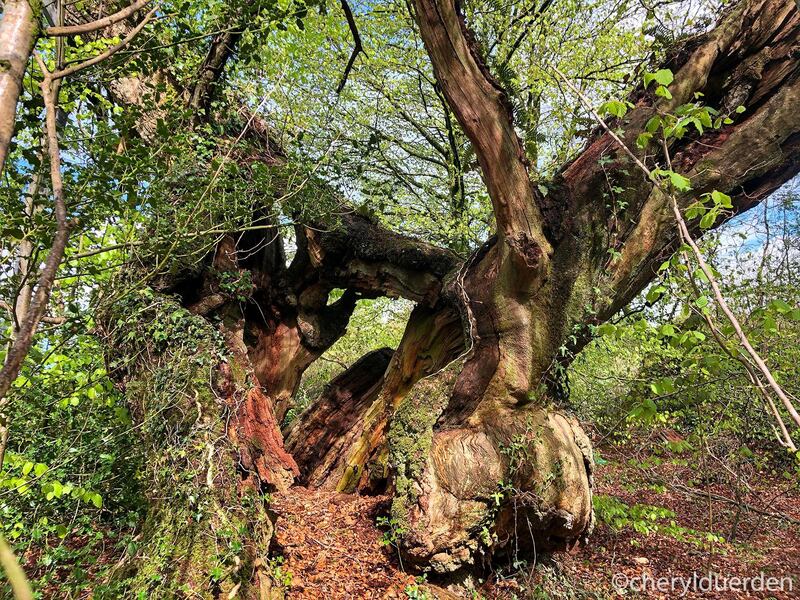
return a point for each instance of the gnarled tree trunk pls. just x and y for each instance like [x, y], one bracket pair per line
[466, 431]
[462, 423]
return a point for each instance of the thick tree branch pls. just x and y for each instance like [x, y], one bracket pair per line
[484, 113]
[748, 59]
[71, 70]
[363, 256]
[102, 23]
[220, 51]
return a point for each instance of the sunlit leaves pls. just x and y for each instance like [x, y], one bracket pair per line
[661, 77]
[615, 108]
[676, 180]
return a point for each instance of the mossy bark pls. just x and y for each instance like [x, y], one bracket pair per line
[207, 530]
[466, 427]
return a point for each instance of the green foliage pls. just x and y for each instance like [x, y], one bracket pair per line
[375, 324]
[393, 530]
[68, 487]
[71, 499]
[417, 591]
[666, 370]
[647, 520]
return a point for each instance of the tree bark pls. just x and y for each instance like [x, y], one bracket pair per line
[472, 444]
[18, 30]
[210, 451]
[465, 425]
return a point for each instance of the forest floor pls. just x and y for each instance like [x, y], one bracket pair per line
[678, 526]
[670, 522]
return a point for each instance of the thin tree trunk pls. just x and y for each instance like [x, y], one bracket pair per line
[18, 30]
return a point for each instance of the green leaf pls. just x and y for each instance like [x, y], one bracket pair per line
[654, 293]
[653, 124]
[701, 302]
[661, 77]
[721, 200]
[27, 467]
[663, 92]
[667, 330]
[39, 469]
[778, 305]
[679, 182]
[708, 219]
[770, 326]
[606, 329]
[643, 139]
[664, 76]
[614, 107]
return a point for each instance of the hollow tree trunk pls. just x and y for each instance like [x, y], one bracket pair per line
[210, 451]
[472, 452]
[465, 432]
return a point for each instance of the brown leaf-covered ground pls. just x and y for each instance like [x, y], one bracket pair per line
[333, 549]
[332, 546]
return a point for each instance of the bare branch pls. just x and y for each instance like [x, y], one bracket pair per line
[357, 48]
[99, 23]
[45, 319]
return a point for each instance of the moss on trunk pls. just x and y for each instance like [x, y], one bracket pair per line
[208, 528]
